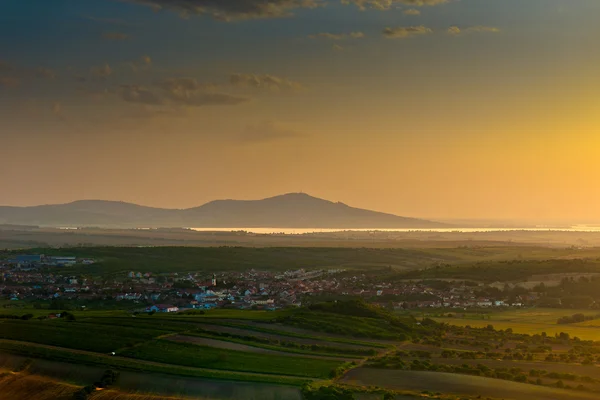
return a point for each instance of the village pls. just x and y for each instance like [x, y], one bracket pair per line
[39, 279]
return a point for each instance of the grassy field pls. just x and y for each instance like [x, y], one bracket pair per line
[191, 355]
[532, 321]
[459, 384]
[74, 335]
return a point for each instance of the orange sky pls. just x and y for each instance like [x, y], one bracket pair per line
[472, 109]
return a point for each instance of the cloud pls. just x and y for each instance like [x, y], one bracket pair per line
[412, 11]
[338, 36]
[268, 82]
[190, 92]
[102, 71]
[455, 30]
[140, 95]
[403, 32]
[231, 10]
[211, 99]
[179, 92]
[389, 4]
[115, 36]
[337, 47]
[268, 131]
[9, 81]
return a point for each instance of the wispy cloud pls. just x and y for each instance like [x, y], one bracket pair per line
[338, 36]
[179, 92]
[455, 30]
[403, 32]
[412, 11]
[268, 82]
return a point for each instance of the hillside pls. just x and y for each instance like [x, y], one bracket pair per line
[293, 210]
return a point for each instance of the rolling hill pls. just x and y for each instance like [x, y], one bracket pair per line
[292, 210]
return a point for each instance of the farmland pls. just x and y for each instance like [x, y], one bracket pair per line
[530, 321]
[314, 345]
[458, 384]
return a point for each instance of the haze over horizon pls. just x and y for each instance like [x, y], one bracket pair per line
[435, 109]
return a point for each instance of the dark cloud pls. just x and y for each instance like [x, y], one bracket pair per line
[118, 36]
[403, 32]
[230, 10]
[268, 82]
[268, 131]
[389, 4]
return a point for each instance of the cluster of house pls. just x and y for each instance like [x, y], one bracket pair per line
[250, 289]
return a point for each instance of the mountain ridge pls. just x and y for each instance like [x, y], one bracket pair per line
[290, 210]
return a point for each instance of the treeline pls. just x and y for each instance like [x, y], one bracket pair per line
[503, 271]
[574, 319]
[23, 317]
[109, 378]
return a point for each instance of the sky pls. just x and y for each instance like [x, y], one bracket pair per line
[447, 109]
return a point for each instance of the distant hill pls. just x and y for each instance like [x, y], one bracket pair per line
[293, 210]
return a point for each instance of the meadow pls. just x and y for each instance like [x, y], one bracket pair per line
[530, 321]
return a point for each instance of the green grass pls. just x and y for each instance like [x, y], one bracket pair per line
[63, 355]
[192, 355]
[334, 352]
[75, 335]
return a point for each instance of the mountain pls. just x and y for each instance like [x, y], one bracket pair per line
[293, 210]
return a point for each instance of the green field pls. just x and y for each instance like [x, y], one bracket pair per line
[74, 335]
[532, 321]
[121, 363]
[206, 357]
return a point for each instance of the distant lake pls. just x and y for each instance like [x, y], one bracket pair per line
[302, 231]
